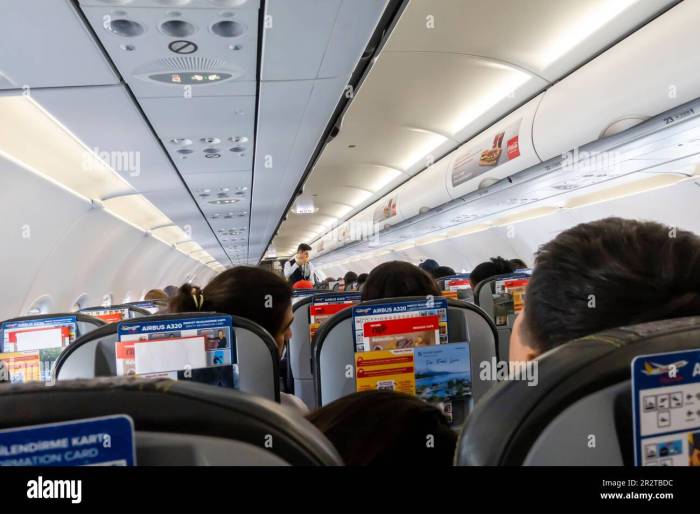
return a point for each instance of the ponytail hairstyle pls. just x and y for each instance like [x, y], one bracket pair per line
[254, 293]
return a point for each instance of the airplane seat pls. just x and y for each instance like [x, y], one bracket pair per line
[580, 411]
[333, 348]
[85, 322]
[177, 422]
[137, 312]
[94, 355]
[483, 297]
[299, 353]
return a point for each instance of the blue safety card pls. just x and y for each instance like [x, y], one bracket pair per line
[666, 409]
[105, 441]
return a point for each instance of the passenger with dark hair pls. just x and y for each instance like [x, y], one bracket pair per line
[428, 265]
[298, 267]
[171, 291]
[254, 293]
[606, 274]
[361, 279]
[350, 280]
[442, 271]
[384, 428]
[396, 279]
[518, 264]
[491, 268]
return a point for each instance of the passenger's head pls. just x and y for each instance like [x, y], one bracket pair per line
[156, 295]
[386, 428]
[171, 291]
[303, 284]
[488, 269]
[253, 293]
[428, 265]
[397, 278]
[303, 251]
[606, 274]
[518, 264]
[350, 278]
[442, 271]
[361, 279]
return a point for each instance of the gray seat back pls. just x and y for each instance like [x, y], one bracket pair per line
[258, 360]
[300, 353]
[135, 311]
[177, 423]
[334, 348]
[85, 322]
[583, 390]
[483, 297]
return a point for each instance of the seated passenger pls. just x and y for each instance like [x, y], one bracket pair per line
[350, 281]
[442, 271]
[361, 279]
[303, 284]
[428, 265]
[398, 278]
[518, 264]
[606, 274]
[171, 291]
[385, 428]
[488, 269]
[250, 292]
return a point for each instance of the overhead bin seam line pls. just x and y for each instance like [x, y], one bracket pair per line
[127, 88]
[384, 27]
[262, 13]
[494, 60]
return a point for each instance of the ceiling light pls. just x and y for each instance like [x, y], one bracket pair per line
[511, 80]
[524, 216]
[623, 190]
[465, 231]
[581, 27]
[226, 201]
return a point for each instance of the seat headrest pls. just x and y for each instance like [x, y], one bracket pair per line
[163, 405]
[506, 423]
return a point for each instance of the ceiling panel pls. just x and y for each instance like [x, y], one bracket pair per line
[31, 55]
[159, 51]
[205, 134]
[309, 24]
[107, 121]
[547, 38]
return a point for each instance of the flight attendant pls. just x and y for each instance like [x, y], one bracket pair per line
[299, 268]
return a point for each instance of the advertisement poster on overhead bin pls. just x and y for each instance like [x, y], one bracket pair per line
[666, 409]
[324, 306]
[198, 349]
[385, 210]
[104, 441]
[400, 325]
[29, 348]
[486, 154]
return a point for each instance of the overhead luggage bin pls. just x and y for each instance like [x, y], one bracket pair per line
[177, 423]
